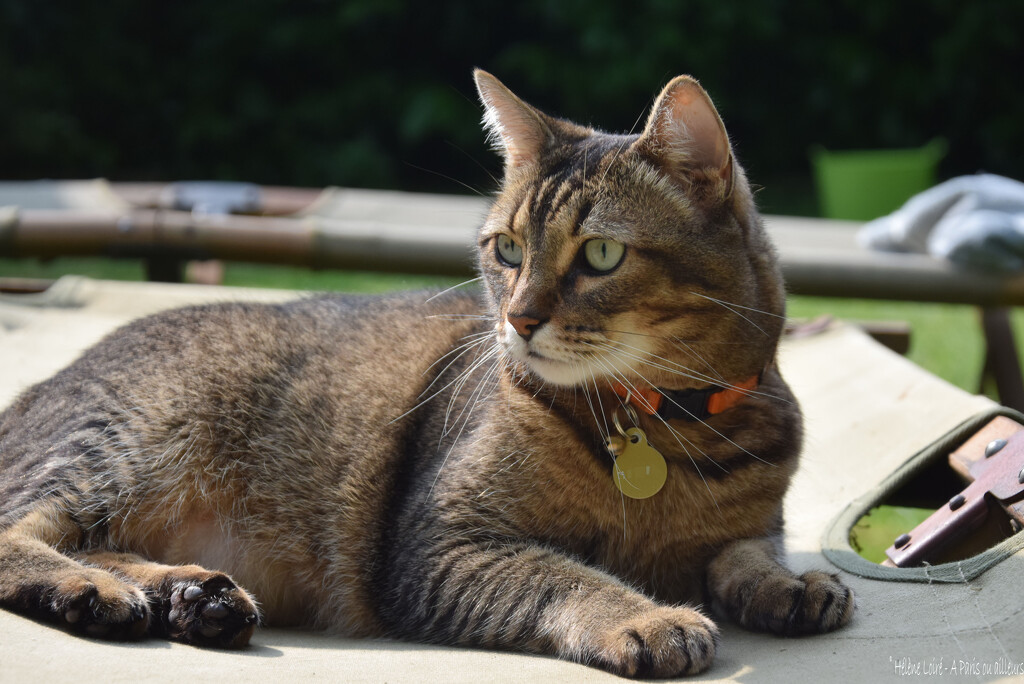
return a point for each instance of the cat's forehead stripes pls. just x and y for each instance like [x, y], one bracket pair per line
[583, 209]
[519, 220]
[575, 176]
[566, 189]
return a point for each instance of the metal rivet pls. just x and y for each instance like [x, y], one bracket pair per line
[994, 446]
[956, 502]
[1020, 476]
[902, 541]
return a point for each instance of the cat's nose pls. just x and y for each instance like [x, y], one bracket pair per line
[524, 325]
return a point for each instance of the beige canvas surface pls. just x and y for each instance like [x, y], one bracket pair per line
[867, 412]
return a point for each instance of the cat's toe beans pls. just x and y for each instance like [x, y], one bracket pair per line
[80, 607]
[210, 631]
[191, 593]
[214, 612]
[218, 584]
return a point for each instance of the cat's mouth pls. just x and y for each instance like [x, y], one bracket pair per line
[544, 357]
[558, 363]
[558, 372]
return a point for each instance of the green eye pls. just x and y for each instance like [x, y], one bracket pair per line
[509, 251]
[603, 255]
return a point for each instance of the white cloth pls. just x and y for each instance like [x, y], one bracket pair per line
[973, 221]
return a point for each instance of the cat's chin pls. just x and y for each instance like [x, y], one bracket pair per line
[568, 373]
[575, 373]
[559, 373]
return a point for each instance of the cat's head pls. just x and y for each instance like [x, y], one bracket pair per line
[636, 258]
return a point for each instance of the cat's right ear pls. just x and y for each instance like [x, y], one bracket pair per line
[686, 134]
[517, 130]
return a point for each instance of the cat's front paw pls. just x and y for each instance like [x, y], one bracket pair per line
[813, 603]
[661, 642]
[211, 611]
[98, 605]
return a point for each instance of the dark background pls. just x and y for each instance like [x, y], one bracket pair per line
[378, 93]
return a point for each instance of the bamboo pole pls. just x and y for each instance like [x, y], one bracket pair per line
[817, 257]
[178, 235]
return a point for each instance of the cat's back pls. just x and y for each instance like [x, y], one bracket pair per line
[231, 344]
[225, 386]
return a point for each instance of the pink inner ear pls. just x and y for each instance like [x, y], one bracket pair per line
[520, 131]
[522, 140]
[693, 126]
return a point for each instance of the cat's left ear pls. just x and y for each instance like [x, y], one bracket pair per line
[519, 130]
[686, 134]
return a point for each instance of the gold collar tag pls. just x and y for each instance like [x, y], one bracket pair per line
[640, 470]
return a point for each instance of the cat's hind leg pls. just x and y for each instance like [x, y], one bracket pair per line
[757, 591]
[38, 580]
[188, 603]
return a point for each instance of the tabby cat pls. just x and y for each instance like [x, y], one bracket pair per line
[569, 462]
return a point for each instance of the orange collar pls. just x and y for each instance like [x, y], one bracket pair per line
[690, 404]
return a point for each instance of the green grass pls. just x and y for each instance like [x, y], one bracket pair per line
[236, 274]
[945, 339]
[112, 269]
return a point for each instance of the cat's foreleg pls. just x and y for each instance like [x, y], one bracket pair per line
[755, 589]
[188, 603]
[530, 598]
[39, 580]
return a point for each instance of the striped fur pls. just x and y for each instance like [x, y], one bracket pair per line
[416, 465]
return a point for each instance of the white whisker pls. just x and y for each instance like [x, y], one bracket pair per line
[669, 338]
[605, 435]
[622, 145]
[708, 426]
[461, 381]
[733, 308]
[689, 372]
[676, 342]
[606, 431]
[738, 306]
[450, 383]
[481, 337]
[678, 370]
[471, 405]
[459, 317]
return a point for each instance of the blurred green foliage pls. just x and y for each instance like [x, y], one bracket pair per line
[378, 92]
